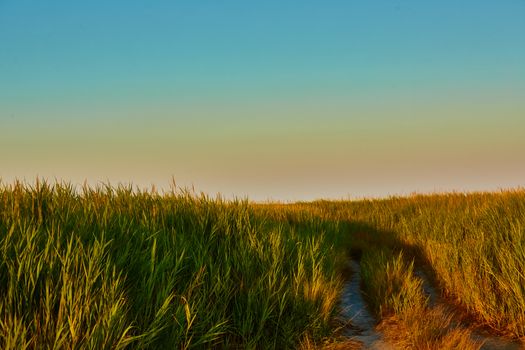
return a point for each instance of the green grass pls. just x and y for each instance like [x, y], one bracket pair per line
[390, 283]
[113, 268]
[109, 267]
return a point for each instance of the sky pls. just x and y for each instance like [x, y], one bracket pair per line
[271, 100]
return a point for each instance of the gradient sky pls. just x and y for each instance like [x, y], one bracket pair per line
[280, 100]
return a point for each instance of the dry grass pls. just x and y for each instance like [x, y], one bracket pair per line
[396, 295]
[466, 240]
[331, 344]
[431, 329]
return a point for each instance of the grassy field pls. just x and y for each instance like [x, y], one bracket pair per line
[472, 247]
[108, 268]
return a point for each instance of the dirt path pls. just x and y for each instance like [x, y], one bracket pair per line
[355, 309]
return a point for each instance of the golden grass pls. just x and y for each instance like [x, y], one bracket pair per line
[427, 329]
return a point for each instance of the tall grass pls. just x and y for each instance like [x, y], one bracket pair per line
[390, 283]
[113, 268]
[396, 295]
[473, 244]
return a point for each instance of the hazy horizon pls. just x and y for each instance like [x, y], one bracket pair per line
[271, 100]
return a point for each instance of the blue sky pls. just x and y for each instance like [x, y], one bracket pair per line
[276, 99]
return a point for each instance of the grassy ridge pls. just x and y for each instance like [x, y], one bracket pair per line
[112, 268]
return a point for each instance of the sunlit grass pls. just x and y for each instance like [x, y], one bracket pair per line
[115, 268]
[111, 267]
[473, 246]
[396, 295]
